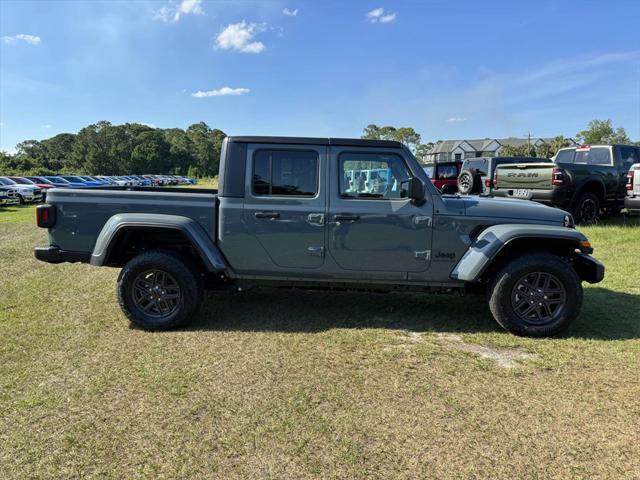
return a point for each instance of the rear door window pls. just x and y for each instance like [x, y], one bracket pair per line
[628, 156]
[285, 173]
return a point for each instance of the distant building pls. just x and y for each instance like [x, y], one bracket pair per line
[449, 150]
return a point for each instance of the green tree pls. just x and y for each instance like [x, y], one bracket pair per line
[518, 151]
[549, 149]
[422, 150]
[602, 131]
[405, 135]
[151, 153]
[207, 144]
[58, 152]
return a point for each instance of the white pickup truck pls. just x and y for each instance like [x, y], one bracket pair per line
[632, 200]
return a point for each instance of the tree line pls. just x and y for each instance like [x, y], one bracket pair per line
[132, 148]
[106, 149]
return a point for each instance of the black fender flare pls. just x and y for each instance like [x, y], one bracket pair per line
[202, 242]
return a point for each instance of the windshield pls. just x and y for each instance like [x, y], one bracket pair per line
[56, 179]
[7, 181]
[71, 178]
[40, 180]
[22, 181]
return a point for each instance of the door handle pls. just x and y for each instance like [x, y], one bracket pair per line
[343, 217]
[316, 218]
[268, 215]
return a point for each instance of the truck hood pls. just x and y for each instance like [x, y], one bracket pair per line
[512, 209]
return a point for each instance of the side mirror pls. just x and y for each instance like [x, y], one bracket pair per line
[415, 190]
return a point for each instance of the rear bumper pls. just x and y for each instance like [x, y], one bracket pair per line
[52, 254]
[552, 196]
[632, 204]
[588, 268]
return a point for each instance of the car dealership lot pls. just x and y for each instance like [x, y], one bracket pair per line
[290, 384]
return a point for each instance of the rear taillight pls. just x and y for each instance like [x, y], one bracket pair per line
[487, 183]
[495, 178]
[45, 216]
[557, 177]
[630, 180]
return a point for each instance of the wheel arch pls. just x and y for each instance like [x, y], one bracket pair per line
[125, 235]
[590, 185]
[497, 244]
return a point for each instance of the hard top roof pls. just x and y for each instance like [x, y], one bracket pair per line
[348, 142]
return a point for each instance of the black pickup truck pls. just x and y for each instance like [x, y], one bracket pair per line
[583, 180]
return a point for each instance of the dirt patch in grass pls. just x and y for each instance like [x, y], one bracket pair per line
[504, 357]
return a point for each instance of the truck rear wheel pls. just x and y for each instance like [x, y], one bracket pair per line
[587, 209]
[159, 290]
[536, 295]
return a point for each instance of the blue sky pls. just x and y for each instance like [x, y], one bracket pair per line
[467, 69]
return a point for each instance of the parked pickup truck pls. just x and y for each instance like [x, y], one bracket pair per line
[632, 200]
[288, 214]
[583, 180]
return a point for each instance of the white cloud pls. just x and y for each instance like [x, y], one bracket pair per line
[456, 119]
[21, 37]
[388, 18]
[378, 15]
[220, 92]
[46, 126]
[290, 12]
[240, 37]
[186, 7]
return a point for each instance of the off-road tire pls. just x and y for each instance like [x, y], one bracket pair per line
[180, 270]
[586, 209]
[468, 182]
[504, 292]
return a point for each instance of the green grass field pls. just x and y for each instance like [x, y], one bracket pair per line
[278, 384]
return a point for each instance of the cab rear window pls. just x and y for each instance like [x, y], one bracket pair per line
[593, 156]
[565, 156]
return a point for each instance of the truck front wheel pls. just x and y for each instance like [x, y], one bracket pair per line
[159, 290]
[535, 295]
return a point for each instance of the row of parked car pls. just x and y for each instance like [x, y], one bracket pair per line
[16, 190]
[586, 180]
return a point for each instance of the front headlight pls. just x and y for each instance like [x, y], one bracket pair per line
[568, 221]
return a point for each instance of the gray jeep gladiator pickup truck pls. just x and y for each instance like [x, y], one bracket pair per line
[295, 213]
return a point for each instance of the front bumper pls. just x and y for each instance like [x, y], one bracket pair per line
[632, 204]
[53, 254]
[588, 268]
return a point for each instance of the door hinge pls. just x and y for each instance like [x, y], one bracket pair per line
[423, 254]
[316, 251]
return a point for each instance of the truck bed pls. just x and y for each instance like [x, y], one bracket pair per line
[81, 213]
